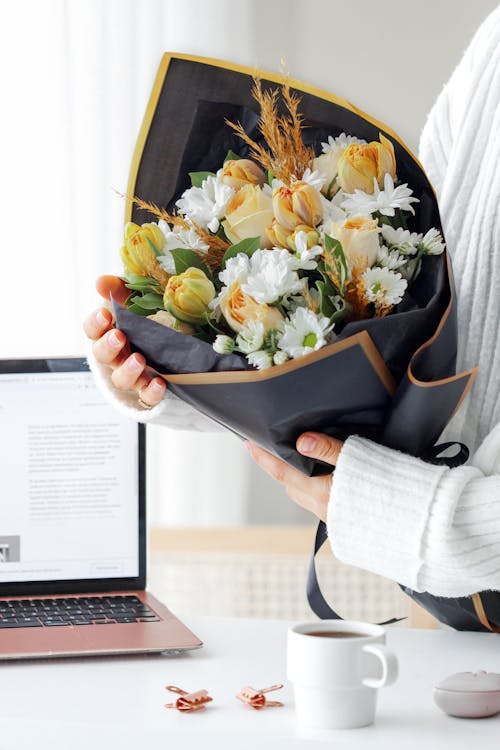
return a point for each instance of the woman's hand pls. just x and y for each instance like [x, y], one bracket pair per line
[312, 493]
[111, 347]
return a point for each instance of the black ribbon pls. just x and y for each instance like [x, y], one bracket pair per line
[315, 597]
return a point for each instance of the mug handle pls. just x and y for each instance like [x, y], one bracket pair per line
[389, 666]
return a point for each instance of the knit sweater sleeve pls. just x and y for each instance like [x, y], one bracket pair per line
[170, 412]
[428, 527]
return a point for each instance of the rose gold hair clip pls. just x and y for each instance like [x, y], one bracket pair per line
[188, 701]
[256, 698]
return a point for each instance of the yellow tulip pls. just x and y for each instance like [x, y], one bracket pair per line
[298, 204]
[360, 163]
[278, 235]
[239, 308]
[188, 295]
[138, 250]
[240, 172]
[311, 234]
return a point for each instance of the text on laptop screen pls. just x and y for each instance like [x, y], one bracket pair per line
[69, 485]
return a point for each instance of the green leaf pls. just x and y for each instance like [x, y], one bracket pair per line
[231, 155]
[208, 321]
[325, 305]
[142, 283]
[138, 310]
[341, 314]
[221, 233]
[198, 177]
[248, 246]
[150, 301]
[331, 186]
[185, 258]
[339, 260]
[270, 178]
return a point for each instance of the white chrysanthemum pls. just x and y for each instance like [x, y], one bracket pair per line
[402, 240]
[315, 178]
[261, 360]
[223, 344]
[280, 357]
[272, 275]
[251, 338]
[305, 258]
[237, 269]
[432, 242]
[384, 201]
[340, 143]
[390, 259]
[178, 237]
[304, 333]
[332, 213]
[383, 287]
[206, 205]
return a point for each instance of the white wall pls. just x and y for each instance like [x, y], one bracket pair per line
[388, 57]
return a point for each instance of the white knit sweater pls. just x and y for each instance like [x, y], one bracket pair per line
[429, 527]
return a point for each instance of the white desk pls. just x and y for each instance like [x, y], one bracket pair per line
[117, 703]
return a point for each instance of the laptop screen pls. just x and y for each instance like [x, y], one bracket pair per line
[71, 514]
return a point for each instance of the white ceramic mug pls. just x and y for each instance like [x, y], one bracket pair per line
[335, 679]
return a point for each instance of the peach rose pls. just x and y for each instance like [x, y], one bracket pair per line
[248, 214]
[238, 308]
[359, 239]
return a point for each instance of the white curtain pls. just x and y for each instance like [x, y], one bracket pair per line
[76, 77]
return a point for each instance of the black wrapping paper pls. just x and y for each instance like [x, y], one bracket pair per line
[405, 399]
[391, 379]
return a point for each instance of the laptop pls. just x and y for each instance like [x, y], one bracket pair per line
[73, 521]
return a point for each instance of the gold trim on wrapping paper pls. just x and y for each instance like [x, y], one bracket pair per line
[361, 339]
[143, 133]
[480, 612]
[266, 76]
[471, 374]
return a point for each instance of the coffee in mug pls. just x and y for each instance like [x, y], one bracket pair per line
[336, 667]
[335, 634]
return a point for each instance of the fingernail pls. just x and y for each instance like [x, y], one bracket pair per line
[101, 318]
[114, 340]
[307, 444]
[133, 365]
[157, 386]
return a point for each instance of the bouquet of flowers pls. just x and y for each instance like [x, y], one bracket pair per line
[292, 269]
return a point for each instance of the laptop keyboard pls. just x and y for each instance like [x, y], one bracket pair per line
[84, 610]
